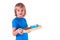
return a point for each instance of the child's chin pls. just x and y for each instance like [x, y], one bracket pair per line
[21, 16]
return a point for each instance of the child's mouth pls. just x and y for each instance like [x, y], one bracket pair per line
[20, 13]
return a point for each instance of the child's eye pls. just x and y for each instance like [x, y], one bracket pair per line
[17, 10]
[21, 10]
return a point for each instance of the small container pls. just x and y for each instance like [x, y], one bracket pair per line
[34, 26]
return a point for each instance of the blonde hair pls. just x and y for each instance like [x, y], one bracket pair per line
[21, 5]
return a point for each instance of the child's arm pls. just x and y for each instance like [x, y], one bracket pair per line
[33, 29]
[39, 27]
[14, 32]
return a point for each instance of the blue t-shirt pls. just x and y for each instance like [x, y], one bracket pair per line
[20, 23]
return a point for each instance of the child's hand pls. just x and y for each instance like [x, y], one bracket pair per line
[39, 27]
[20, 30]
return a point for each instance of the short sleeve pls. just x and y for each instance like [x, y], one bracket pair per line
[14, 24]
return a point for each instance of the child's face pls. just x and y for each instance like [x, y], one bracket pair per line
[20, 12]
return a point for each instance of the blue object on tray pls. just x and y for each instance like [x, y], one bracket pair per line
[34, 26]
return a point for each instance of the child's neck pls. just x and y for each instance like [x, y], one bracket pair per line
[19, 17]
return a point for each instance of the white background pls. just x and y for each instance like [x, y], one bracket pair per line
[43, 12]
